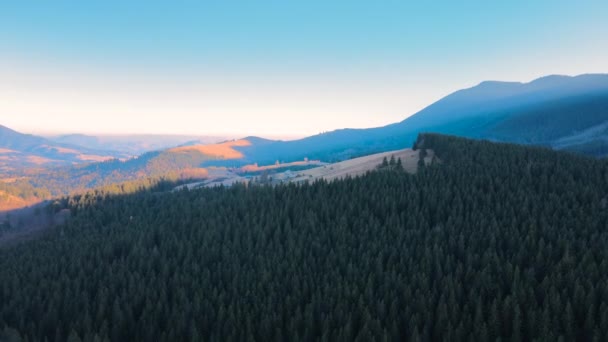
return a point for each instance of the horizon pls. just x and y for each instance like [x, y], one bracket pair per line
[244, 135]
[58, 134]
[289, 70]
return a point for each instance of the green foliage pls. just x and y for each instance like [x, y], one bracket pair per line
[5, 226]
[60, 181]
[393, 164]
[23, 189]
[496, 242]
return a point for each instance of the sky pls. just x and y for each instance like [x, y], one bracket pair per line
[273, 68]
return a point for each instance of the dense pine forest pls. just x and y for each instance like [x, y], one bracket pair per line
[490, 242]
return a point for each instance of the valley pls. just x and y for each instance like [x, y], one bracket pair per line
[567, 113]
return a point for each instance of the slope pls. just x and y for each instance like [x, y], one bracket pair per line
[491, 110]
[556, 111]
[133, 144]
[497, 242]
[18, 150]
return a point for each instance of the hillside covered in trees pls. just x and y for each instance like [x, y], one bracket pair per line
[35, 185]
[490, 242]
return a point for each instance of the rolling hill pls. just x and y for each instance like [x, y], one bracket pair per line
[18, 150]
[185, 162]
[567, 113]
[133, 145]
[561, 112]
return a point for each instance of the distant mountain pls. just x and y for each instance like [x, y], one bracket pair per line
[134, 145]
[556, 111]
[560, 112]
[492, 97]
[78, 139]
[19, 150]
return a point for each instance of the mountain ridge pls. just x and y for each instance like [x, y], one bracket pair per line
[577, 122]
[27, 150]
[467, 112]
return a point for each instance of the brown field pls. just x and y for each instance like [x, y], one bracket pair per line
[359, 166]
[353, 167]
[90, 157]
[10, 202]
[255, 167]
[223, 150]
[193, 172]
[214, 176]
[38, 160]
[11, 180]
[61, 149]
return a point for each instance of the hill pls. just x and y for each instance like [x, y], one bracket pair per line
[495, 242]
[186, 162]
[136, 144]
[569, 113]
[225, 150]
[406, 159]
[18, 151]
[561, 112]
[309, 171]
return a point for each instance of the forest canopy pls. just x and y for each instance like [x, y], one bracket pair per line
[490, 241]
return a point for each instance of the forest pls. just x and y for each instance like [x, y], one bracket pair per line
[37, 184]
[490, 242]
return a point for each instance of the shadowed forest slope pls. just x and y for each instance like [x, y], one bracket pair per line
[494, 241]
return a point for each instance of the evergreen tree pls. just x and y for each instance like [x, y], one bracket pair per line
[493, 242]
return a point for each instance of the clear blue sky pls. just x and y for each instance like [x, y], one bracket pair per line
[273, 67]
